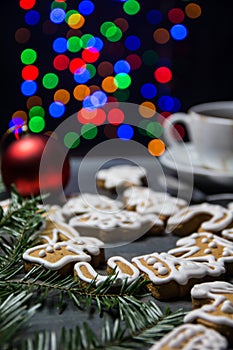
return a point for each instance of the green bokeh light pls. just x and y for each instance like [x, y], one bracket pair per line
[61, 5]
[36, 124]
[154, 129]
[114, 34]
[50, 80]
[91, 69]
[89, 131]
[131, 7]
[122, 80]
[72, 139]
[37, 111]
[74, 44]
[85, 39]
[28, 56]
[106, 26]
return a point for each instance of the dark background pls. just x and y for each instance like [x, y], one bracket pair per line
[202, 64]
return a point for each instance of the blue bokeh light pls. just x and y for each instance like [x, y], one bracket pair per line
[179, 32]
[125, 132]
[56, 109]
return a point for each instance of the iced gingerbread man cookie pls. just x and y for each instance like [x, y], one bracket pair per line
[203, 217]
[119, 177]
[87, 202]
[191, 337]
[144, 200]
[205, 247]
[119, 269]
[171, 277]
[213, 303]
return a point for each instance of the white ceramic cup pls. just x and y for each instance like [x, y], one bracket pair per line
[210, 129]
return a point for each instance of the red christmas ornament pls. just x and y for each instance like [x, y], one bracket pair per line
[21, 165]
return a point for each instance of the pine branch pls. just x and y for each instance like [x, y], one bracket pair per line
[13, 313]
[43, 282]
[17, 226]
[114, 334]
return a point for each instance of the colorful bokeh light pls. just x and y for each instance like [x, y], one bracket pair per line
[95, 57]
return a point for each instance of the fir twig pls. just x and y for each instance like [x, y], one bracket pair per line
[114, 334]
[13, 313]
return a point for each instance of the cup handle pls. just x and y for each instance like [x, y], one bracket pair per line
[169, 132]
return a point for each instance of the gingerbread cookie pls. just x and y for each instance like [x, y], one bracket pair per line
[191, 337]
[59, 256]
[213, 304]
[205, 247]
[124, 272]
[122, 227]
[171, 277]
[87, 202]
[203, 217]
[145, 200]
[121, 176]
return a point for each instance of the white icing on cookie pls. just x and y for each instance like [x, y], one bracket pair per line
[221, 295]
[92, 274]
[119, 277]
[174, 269]
[145, 200]
[204, 247]
[228, 234]
[68, 253]
[90, 244]
[87, 202]
[191, 337]
[120, 175]
[119, 228]
[104, 221]
[122, 276]
[220, 217]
